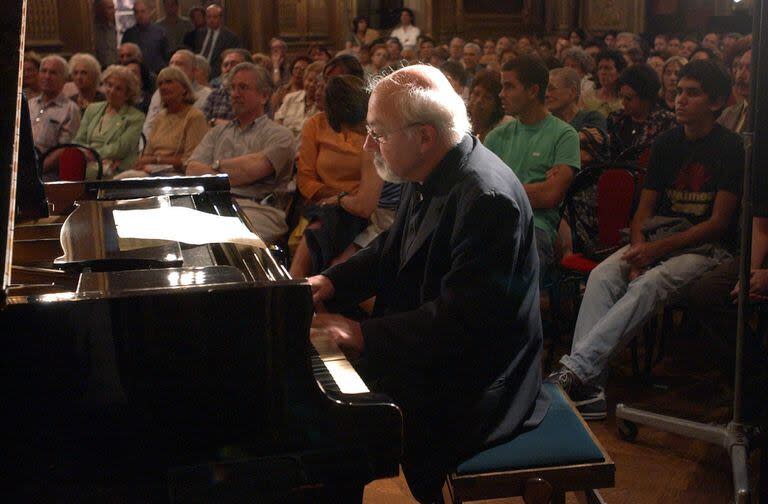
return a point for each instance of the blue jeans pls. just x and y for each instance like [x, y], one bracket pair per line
[613, 308]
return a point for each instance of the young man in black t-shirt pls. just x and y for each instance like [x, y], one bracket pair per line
[683, 227]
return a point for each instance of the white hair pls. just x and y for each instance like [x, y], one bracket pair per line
[472, 45]
[437, 105]
[570, 78]
[92, 65]
[62, 63]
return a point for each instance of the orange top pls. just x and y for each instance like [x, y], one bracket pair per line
[327, 158]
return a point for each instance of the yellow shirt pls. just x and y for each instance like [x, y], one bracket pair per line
[174, 134]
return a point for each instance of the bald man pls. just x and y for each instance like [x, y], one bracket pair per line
[151, 38]
[455, 335]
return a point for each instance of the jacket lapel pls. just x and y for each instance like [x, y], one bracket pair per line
[117, 128]
[427, 227]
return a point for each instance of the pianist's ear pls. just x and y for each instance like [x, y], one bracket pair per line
[426, 135]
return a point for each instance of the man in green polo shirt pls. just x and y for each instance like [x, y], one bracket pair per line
[542, 150]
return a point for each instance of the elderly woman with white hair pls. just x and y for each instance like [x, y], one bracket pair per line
[113, 127]
[177, 129]
[85, 71]
[578, 59]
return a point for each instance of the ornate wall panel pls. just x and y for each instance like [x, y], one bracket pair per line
[43, 24]
[602, 15]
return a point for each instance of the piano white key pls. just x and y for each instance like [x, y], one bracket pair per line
[325, 346]
[346, 377]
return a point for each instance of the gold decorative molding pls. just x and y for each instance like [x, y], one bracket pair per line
[620, 15]
[43, 24]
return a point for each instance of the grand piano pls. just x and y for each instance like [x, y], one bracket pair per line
[155, 370]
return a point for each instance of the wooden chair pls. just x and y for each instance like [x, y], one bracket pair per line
[560, 455]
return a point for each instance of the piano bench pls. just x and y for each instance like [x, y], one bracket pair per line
[560, 455]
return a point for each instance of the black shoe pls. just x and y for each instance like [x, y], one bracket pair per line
[565, 378]
[591, 403]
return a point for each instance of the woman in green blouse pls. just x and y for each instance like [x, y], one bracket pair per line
[113, 127]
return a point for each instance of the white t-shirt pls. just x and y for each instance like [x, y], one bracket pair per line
[407, 36]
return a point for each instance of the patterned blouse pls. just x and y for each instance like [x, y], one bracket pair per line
[631, 141]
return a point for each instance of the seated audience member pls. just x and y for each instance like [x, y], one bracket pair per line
[729, 39]
[688, 47]
[55, 118]
[216, 38]
[128, 52]
[361, 34]
[489, 47]
[406, 32]
[577, 37]
[627, 40]
[202, 71]
[471, 60]
[218, 106]
[656, 61]
[634, 56]
[296, 82]
[281, 69]
[113, 127]
[593, 47]
[395, 50]
[669, 75]
[229, 62]
[379, 59]
[448, 286]
[336, 176]
[705, 53]
[175, 26]
[532, 145]
[318, 52]
[456, 75]
[300, 105]
[605, 97]
[85, 72]
[609, 39]
[456, 49]
[576, 58]
[660, 43]
[562, 101]
[185, 61]
[484, 104]
[684, 225]
[147, 81]
[503, 44]
[150, 37]
[254, 151]
[734, 117]
[491, 62]
[633, 129]
[426, 48]
[439, 56]
[31, 74]
[179, 127]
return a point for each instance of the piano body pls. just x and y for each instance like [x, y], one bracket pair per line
[156, 370]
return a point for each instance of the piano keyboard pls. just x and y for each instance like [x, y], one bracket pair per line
[331, 368]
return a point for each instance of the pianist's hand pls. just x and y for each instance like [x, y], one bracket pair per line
[322, 288]
[345, 332]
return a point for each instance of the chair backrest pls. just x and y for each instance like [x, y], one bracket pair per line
[616, 194]
[72, 164]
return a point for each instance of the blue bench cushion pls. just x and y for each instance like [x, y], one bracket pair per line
[560, 439]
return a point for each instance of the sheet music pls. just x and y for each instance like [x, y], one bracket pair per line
[183, 225]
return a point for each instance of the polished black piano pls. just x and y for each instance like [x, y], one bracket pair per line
[141, 370]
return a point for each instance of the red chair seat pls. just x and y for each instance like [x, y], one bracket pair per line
[577, 262]
[72, 163]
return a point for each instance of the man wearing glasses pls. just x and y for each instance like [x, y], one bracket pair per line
[455, 335]
[256, 153]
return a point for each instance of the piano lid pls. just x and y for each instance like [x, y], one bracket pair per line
[11, 51]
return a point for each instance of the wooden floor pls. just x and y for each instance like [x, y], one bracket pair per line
[659, 467]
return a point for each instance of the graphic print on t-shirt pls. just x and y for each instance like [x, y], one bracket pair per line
[687, 194]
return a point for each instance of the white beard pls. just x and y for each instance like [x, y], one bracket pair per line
[384, 170]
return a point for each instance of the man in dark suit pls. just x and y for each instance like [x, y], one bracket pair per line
[455, 335]
[215, 39]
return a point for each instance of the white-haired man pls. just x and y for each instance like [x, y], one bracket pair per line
[455, 280]
[55, 118]
[184, 60]
[256, 153]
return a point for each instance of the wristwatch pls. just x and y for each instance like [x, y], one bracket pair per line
[339, 196]
[216, 166]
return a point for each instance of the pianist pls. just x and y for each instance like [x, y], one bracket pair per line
[455, 335]
[256, 153]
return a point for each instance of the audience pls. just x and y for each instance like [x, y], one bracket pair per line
[202, 71]
[660, 42]
[379, 59]
[471, 60]
[85, 72]
[130, 52]
[147, 81]
[669, 74]
[484, 104]
[300, 105]
[684, 226]
[296, 82]
[456, 49]
[582, 63]
[194, 38]
[605, 97]
[361, 34]
[215, 39]
[532, 145]
[31, 75]
[104, 32]
[254, 151]
[456, 75]
[218, 106]
[395, 50]
[150, 37]
[178, 128]
[633, 129]
[406, 32]
[337, 177]
[281, 69]
[55, 118]
[656, 61]
[734, 117]
[175, 26]
[113, 127]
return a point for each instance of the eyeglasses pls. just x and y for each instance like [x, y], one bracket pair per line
[381, 138]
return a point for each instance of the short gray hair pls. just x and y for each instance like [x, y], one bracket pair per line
[202, 64]
[438, 106]
[135, 49]
[570, 78]
[92, 65]
[132, 83]
[263, 81]
[580, 56]
[175, 74]
[61, 61]
[474, 46]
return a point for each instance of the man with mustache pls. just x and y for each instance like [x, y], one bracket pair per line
[256, 153]
[455, 335]
[734, 117]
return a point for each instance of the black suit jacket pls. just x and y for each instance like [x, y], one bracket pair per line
[227, 40]
[456, 334]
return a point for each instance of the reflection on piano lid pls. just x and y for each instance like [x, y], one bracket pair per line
[121, 282]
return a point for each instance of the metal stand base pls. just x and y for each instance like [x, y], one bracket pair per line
[734, 438]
